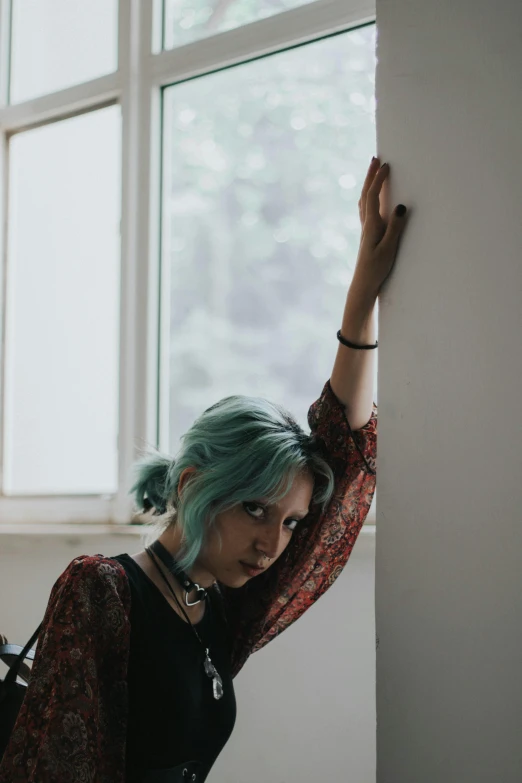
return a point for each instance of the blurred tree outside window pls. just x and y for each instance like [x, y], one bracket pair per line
[263, 168]
[185, 21]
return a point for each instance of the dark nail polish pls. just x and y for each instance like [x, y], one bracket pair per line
[401, 209]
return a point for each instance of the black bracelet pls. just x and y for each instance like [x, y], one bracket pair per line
[346, 342]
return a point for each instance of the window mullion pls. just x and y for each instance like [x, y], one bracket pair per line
[59, 105]
[139, 271]
[5, 49]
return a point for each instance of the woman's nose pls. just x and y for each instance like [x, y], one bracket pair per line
[270, 543]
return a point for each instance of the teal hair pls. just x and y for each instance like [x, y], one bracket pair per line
[243, 448]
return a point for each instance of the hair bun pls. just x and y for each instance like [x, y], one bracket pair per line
[151, 487]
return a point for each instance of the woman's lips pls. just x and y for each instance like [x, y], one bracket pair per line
[250, 570]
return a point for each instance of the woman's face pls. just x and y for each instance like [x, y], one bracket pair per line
[250, 529]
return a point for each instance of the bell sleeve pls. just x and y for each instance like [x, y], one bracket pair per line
[320, 548]
[72, 724]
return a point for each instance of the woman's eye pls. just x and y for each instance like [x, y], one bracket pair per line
[252, 508]
[258, 512]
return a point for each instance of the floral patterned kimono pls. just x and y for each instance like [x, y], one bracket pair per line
[74, 713]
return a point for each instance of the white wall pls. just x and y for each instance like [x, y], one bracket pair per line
[306, 702]
[449, 518]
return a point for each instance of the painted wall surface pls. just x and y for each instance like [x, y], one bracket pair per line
[449, 506]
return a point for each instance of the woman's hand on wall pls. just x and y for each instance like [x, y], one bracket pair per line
[379, 238]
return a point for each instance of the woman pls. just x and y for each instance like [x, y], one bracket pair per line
[132, 679]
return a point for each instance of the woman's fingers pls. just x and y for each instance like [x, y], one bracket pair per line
[394, 229]
[373, 168]
[372, 199]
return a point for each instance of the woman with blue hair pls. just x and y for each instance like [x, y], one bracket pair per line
[252, 521]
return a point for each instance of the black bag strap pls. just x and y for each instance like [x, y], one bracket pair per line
[8, 651]
[26, 652]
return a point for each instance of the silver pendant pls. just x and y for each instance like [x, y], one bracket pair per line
[211, 671]
[198, 590]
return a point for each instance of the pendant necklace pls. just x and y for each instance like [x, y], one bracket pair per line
[171, 564]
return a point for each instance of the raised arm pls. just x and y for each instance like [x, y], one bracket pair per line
[353, 371]
[344, 419]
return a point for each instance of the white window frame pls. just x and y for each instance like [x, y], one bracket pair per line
[143, 70]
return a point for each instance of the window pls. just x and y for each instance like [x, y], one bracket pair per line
[61, 361]
[181, 184]
[261, 167]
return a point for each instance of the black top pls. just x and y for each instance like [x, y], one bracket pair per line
[173, 715]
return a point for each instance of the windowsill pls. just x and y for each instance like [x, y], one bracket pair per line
[78, 529]
[101, 530]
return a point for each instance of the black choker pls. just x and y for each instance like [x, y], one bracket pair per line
[183, 579]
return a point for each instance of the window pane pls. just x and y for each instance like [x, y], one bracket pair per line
[264, 167]
[59, 43]
[188, 20]
[62, 334]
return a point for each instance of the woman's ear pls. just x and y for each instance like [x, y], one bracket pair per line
[185, 476]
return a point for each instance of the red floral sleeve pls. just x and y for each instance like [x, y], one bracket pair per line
[319, 550]
[72, 724]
